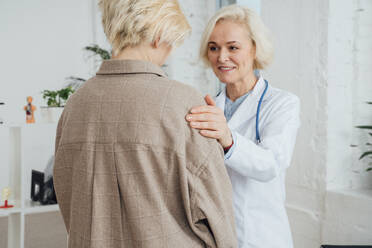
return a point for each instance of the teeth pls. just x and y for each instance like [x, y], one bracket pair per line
[226, 68]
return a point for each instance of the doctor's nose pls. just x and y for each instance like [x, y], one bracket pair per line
[223, 56]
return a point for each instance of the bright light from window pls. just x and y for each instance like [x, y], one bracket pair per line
[227, 2]
[252, 4]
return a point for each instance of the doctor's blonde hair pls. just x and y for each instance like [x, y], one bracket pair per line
[128, 23]
[252, 22]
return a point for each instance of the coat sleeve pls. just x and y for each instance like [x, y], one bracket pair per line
[63, 193]
[207, 189]
[264, 161]
[58, 134]
[211, 202]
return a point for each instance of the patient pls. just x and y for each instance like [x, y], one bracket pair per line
[129, 171]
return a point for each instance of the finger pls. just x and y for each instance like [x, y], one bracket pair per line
[205, 125]
[205, 109]
[209, 100]
[202, 117]
[210, 134]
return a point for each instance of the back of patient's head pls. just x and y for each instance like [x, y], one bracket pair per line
[129, 23]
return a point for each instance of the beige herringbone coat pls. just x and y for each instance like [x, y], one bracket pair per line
[130, 172]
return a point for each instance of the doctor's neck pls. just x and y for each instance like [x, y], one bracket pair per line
[234, 90]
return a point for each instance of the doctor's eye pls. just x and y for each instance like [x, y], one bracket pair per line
[212, 48]
[233, 48]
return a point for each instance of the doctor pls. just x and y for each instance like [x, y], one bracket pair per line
[255, 123]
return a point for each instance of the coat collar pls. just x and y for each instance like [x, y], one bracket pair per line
[248, 107]
[116, 66]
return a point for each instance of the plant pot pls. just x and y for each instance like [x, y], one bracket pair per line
[51, 114]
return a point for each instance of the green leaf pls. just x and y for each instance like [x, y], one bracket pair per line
[75, 82]
[369, 102]
[104, 54]
[72, 78]
[369, 169]
[364, 127]
[50, 97]
[365, 154]
[57, 98]
[65, 93]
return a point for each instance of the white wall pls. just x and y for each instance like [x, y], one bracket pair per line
[4, 158]
[252, 4]
[41, 44]
[299, 31]
[348, 201]
[350, 86]
[322, 55]
[362, 89]
[185, 65]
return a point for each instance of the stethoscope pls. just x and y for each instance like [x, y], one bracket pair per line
[258, 138]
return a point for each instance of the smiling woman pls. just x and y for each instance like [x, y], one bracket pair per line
[235, 44]
[251, 23]
[231, 54]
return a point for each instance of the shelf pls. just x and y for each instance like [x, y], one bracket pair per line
[25, 147]
[30, 208]
[27, 125]
[35, 208]
[14, 210]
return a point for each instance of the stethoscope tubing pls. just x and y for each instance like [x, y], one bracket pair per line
[258, 138]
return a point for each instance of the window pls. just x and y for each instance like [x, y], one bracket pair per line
[222, 3]
[252, 4]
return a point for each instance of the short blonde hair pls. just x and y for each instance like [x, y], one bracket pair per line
[257, 31]
[128, 23]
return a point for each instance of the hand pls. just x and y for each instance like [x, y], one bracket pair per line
[211, 122]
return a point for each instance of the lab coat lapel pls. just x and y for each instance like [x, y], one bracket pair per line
[220, 99]
[248, 107]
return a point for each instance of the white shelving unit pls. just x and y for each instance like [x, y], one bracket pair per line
[23, 148]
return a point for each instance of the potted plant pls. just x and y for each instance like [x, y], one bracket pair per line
[368, 153]
[56, 100]
[98, 51]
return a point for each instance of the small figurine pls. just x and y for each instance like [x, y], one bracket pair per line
[30, 109]
[5, 196]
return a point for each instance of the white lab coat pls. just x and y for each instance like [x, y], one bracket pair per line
[257, 172]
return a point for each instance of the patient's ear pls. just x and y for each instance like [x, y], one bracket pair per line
[156, 43]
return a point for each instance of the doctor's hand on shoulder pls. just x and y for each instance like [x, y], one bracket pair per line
[211, 122]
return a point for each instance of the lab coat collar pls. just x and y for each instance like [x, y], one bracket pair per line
[247, 108]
